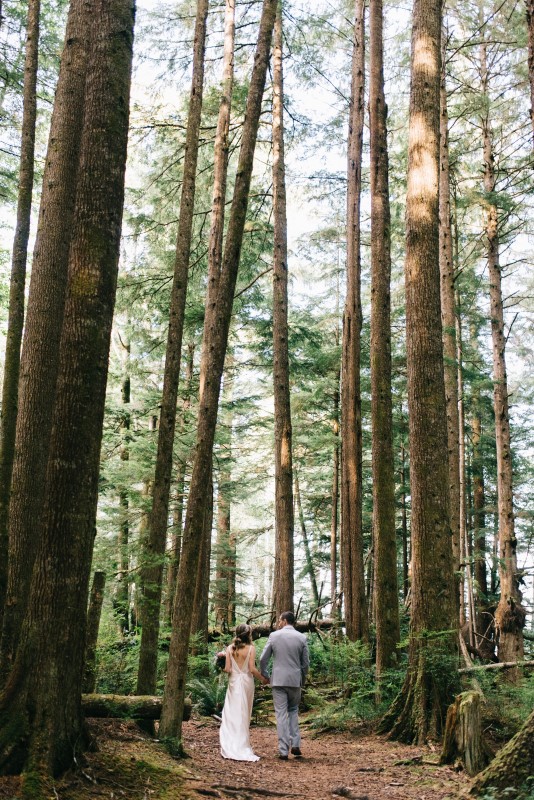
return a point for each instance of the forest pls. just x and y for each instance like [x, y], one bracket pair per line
[267, 345]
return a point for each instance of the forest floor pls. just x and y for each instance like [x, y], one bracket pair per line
[129, 765]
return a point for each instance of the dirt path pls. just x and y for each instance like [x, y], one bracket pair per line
[334, 764]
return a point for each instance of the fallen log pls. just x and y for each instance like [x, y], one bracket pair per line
[126, 706]
[500, 665]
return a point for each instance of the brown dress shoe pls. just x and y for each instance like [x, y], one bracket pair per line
[296, 752]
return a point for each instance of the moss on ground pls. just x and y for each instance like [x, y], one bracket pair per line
[127, 765]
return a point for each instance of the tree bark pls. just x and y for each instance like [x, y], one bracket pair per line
[178, 511]
[217, 338]
[386, 600]
[283, 588]
[419, 710]
[352, 577]
[44, 319]
[225, 548]
[94, 611]
[510, 614]
[220, 177]
[157, 539]
[40, 708]
[199, 622]
[463, 740]
[17, 284]
[335, 508]
[448, 319]
[512, 766]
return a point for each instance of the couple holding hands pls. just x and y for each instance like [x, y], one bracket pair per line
[289, 650]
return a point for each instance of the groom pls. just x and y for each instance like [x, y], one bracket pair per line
[289, 650]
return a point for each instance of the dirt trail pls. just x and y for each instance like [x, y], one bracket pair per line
[333, 764]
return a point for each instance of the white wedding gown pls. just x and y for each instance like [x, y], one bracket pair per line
[234, 733]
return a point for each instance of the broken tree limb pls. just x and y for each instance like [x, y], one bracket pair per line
[127, 706]
[500, 665]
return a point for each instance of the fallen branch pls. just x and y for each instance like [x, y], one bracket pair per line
[501, 665]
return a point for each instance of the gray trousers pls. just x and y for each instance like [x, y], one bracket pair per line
[286, 701]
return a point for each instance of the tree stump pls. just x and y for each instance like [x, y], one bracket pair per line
[463, 734]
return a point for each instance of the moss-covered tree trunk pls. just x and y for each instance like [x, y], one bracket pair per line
[386, 600]
[512, 766]
[44, 319]
[352, 577]
[17, 285]
[156, 542]
[420, 708]
[216, 332]
[40, 709]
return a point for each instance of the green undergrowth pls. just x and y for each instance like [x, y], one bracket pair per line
[524, 793]
[506, 705]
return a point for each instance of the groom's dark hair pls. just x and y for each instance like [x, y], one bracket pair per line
[288, 616]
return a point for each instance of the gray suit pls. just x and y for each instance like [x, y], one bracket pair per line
[289, 650]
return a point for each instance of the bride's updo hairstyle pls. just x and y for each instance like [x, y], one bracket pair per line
[243, 636]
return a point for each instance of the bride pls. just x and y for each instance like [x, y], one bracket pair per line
[241, 666]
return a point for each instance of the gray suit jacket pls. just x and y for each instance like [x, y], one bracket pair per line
[289, 650]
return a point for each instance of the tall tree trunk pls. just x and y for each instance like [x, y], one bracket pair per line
[225, 548]
[157, 539]
[199, 622]
[404, 524]
[44, 319]
[215, 253]
[352, 577]
[419, 710]
[17, 284]
[484, 617]
[122, 600]
[283, 468]
[96, 598]
[530, 24]
[178, 511]
[386, 600]
[448, 319]
[220, 177]
[217, 338]
[310, 570]
[510, 614]
[335, 504]
[41, 709]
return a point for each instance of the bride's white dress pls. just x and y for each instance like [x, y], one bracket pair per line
[234, 733]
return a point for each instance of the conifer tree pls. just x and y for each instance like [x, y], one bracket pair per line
[352, 577]
[419, 710]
